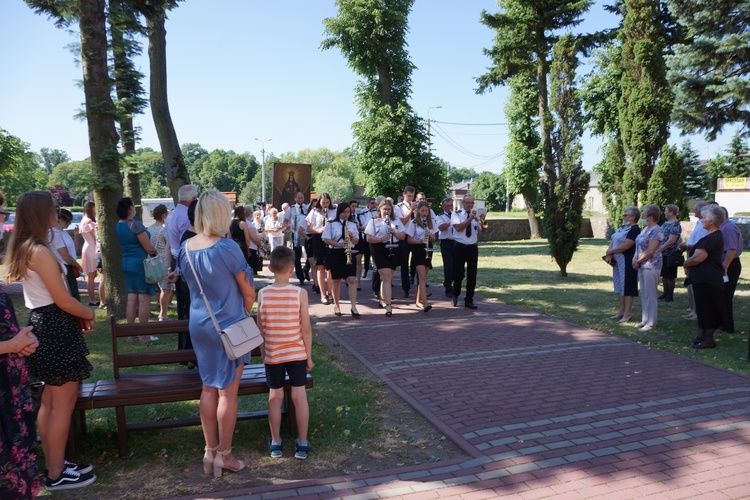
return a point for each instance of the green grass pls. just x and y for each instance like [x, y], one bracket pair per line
[521, 273]
[343, 411]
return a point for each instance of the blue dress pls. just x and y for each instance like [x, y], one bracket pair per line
[133, 254]
[624, 277]
[217, 267]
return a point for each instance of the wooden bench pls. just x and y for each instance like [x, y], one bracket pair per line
[161, 385]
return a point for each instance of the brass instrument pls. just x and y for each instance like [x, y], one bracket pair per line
[484, 223]
[427, 235]
[347, 242]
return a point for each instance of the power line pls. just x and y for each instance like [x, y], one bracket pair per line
[471, 124]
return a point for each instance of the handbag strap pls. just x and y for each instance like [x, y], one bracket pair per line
[197, 279]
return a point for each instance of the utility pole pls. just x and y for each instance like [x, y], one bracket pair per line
[429, 138]
[263, 169]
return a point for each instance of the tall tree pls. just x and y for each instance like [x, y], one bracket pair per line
[565, 182]
[491, 188]
[523, 159]
[733, 163]
[103, 139]
[696, 183]
[52, 158]
[155, 12]
[666, 184]
[646, 100]
[19, 168]
[391, 142]
[76, 177]
[525, 35]
[124, 26]
[711, 69]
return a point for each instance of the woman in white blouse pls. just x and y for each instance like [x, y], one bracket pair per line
[383, 234]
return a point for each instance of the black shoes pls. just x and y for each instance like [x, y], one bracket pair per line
[79, 468]
[470, 305]
[454, 301]
[406, 294]
[68, 480]
[355, 314]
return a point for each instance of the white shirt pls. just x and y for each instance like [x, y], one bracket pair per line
[442, 219]
[698, 232]
[56, 241]
[316, 219]
[459, 217]
[296, 217]
[334, 230]
[417, 232]
[379, 229]
[367, 215]
[401, 210]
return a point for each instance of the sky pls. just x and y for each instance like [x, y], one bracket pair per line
[249, 75]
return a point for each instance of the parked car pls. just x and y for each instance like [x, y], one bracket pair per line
[10, 222]
[740, 219]
[77, 218]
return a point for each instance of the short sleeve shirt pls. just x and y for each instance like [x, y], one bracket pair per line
[642, 243]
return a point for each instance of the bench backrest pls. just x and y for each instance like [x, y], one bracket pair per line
[160, 357]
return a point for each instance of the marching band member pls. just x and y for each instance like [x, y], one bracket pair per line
[420, 232]
[404, 212]
[370, 211]
[446, 245]
[383, 234]
[359, 250]
[295, 219]
[317, 218]
[465, 226]
[342, 236]
[412, 266]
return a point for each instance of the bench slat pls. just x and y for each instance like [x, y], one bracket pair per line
[189, 422]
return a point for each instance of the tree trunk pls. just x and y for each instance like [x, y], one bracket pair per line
[100, 115]
[384, 84]
[131, 177]
[545, 117]
[177, 174]
[530, 198]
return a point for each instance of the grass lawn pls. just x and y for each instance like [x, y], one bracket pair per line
[522, 273]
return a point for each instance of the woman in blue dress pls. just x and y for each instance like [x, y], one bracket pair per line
[620, 256]
[136, 246]
[227, 283]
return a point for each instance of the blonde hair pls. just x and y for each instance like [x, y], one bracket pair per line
[31, 231]
[213, 214]
[382, 204]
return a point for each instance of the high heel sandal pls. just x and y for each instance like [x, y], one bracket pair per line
[219, 463]
[355, 313]
[208, 459]
[337, 310]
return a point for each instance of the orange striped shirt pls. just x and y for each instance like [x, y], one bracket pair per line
[281, 325]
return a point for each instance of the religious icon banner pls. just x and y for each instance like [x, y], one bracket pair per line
[290, 179]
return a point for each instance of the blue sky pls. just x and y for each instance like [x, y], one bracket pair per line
[245, 69]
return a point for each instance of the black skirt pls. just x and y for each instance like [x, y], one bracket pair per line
[62, 351]
[319, 249]
[419, 255]
[336, 263]
[385, 258]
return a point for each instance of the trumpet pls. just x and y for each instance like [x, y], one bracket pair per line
[347, 242]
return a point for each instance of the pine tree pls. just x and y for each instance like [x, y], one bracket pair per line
[566, 183]
[666, 184]
[646, 100]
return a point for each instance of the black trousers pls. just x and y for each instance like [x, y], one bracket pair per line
[404, 252]
[298, 264]
[465, 256]
[733, 273]
[446, 252]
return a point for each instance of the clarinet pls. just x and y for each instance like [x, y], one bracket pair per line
[389, 246]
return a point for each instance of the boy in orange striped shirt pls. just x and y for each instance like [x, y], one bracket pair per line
[284, 322]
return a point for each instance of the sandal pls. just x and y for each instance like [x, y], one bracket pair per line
[301, 451]
[274, 449]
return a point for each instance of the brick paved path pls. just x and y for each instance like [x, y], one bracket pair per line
[543, 408]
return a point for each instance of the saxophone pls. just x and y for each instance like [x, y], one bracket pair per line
[347, 242]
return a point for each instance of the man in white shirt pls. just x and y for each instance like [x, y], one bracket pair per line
[177, 221]
[369, 212]
[466, 252]
[446, 245]
[295, 220]
[404, 211]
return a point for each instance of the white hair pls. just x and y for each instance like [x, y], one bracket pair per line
[187, 193]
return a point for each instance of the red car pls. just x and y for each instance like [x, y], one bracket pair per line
[10, 222]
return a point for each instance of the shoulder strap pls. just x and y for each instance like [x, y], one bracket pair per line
[197, 279]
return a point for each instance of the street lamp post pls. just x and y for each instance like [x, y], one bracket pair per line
[263, 169]
[429, 140]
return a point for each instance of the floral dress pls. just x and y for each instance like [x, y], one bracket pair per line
[18, 469]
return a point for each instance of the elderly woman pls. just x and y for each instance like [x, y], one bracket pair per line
[274, 229]
[136, 246]
[647, 261]
[227, 282]
[160, 242]
[706, 271]
[670, 248]
[620, 256]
